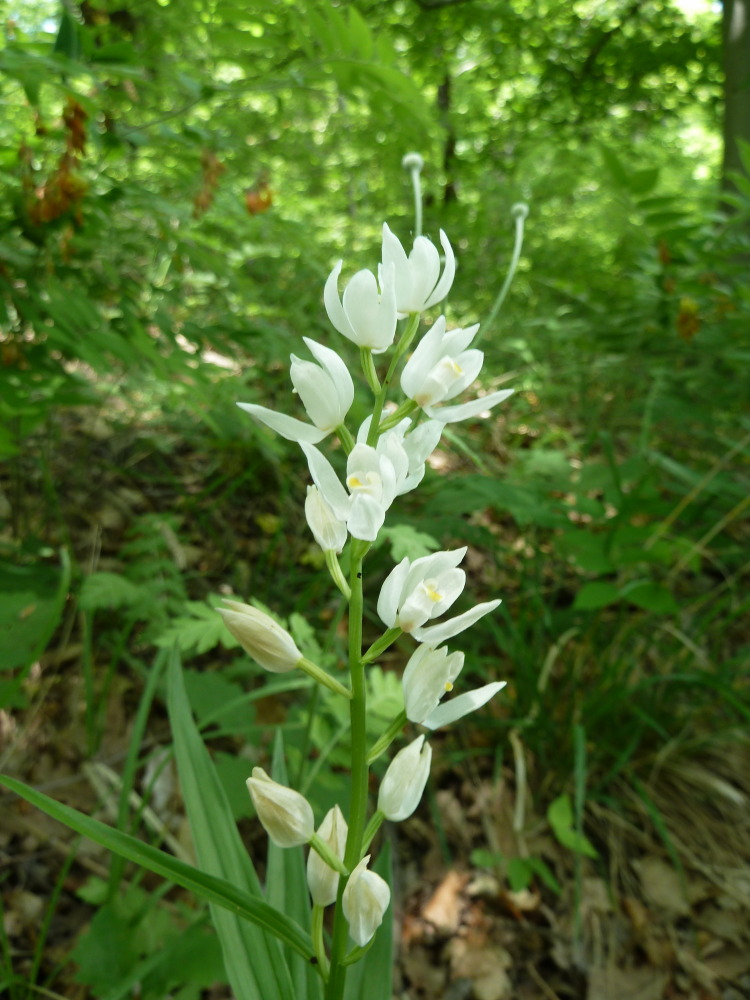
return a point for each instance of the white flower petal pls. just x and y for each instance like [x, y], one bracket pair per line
[465, 411]
[390, 593]
[338, 371]
[288, 427]
[457, 708]
[325, 478]
[366, 517]
[449, 272]
[333, 304]
[435, 634]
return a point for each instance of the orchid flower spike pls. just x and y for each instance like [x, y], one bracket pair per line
[287, 816]
[365, 901]
[404, 781]
[440, 368]
[326, 390]
[419, 283]
[415, 592]
[428, 676]
[367, 314]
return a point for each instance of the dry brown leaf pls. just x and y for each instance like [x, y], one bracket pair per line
[626, 984]
[486, 966]
[661, 886]
[443, 909]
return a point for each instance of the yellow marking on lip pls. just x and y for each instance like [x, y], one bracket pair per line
[433, 594]
[353, 482]
[448, 686]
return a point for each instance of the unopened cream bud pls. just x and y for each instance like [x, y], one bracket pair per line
[259, 635]
[365, 901]
[287, 816]
[322, 880]
[404, 781]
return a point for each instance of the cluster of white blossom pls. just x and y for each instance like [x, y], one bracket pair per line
[385, 459]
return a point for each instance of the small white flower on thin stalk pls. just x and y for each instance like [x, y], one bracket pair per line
[367, 314]
[259, 635]
[428, 677]
[440, 368]
[326, 390]
[404, 782]
[322, 880]
[287, 816]
[365, 901]
[419, 283]
[415, 592]
[372, 483]
[328, 530]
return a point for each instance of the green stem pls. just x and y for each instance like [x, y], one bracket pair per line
[321, 847]
[380, 395]
[506, 284]
[345, 437]
[318, 674]
[384, 741]
[368, 367]
[359, 769]
[317, 940]
[334, 569]
[372, 828]
[380, 645]
[407, 407]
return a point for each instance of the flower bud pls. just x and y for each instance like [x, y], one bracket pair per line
[287, 816]
[321, 878]
[404, 781]
[329, 532]
[519, 211]
[365, 901]
[412, 161]
[259, 635]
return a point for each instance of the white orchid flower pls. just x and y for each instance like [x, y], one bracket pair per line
[326, 390]
[419, 283]
[365, 901]
[367, 314]
[404, 781]
[440, 368]
[428, 676]
[407, 449]
[372, 482]
[414, 593]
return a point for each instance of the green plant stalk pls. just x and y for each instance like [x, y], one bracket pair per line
[498, 303]
[382, 391]
[383, 742]
[318, 942]
[337, 575]
[359, 769]
[318, 674]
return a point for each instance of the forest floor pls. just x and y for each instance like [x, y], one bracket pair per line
[636, 924]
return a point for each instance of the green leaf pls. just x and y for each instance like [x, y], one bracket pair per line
[598, 594]
[32, 600]
[651, 597]
[254, 962]
[406, 541]
[560, 816]
[108, 590]
[215, 890]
